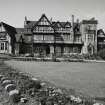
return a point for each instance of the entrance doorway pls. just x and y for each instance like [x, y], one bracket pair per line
[47, 50]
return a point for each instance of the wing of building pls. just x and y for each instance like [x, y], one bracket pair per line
[100, 40]
[7, 38]
[47, 37]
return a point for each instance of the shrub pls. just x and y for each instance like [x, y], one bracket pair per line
[101, 53]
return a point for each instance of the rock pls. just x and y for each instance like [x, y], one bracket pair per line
[59, 91]
[97, 104]
[34, 79]
[14, 96]
[10, 87]
[4, 78]
[43, 84]
[1, 76]
[6, 82]
[12, 92]
[23, 100]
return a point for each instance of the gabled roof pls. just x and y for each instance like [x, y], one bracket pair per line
[9, 29]
[57, 25]
[100, 32]
[30, 24]
[6, 25]
[43, 16]
[67, 23]
[63, 24]
[53, 22]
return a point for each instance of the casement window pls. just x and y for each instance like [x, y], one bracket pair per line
[76, 50]
[58, 49]
[29, 38]
[6, 46]
[38, 37]
[66, 37]
[66, 50]
[48, 37]
[90, 37]
[71, 49]
[2, 46]
[77, 38]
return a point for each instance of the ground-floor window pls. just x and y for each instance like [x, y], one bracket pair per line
[72, 49]
[66, 50]
[5, 46]
[76, 50]
[2, 46]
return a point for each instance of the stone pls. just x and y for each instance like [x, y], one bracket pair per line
[34, 79]
[10, 87]
[6, 81]
[43, 84]
[12, 92]
[23, 100]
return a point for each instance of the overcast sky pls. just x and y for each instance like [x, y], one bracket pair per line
[14, 11]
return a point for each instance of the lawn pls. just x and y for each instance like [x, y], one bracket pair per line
[88, 78]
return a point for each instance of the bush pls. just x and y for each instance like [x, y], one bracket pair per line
[101, 53]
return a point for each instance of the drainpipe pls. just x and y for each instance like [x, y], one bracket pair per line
[73, 28]
[54, 57]
[32, 42]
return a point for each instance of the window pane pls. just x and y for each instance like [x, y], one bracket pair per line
[2, 46]
[5, 46]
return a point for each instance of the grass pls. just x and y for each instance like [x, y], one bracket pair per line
[88, 78]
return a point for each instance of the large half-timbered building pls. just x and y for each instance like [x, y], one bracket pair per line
[46, 37]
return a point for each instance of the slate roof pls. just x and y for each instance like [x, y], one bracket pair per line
[19, 33]
[10, 30]
[100, 32]
[53, 24]
[89, 22]
[30, 24]
[19, 30]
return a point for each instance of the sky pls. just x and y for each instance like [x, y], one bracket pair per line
[13, 12]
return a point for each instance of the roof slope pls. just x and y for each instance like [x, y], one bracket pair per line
[10, 30]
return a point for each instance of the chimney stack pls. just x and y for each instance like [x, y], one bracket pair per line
[77, 21]
[25, 22]
[72, 20]
[51, 20]
[25, 18]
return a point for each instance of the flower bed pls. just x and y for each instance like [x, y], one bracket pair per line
[34, 91]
